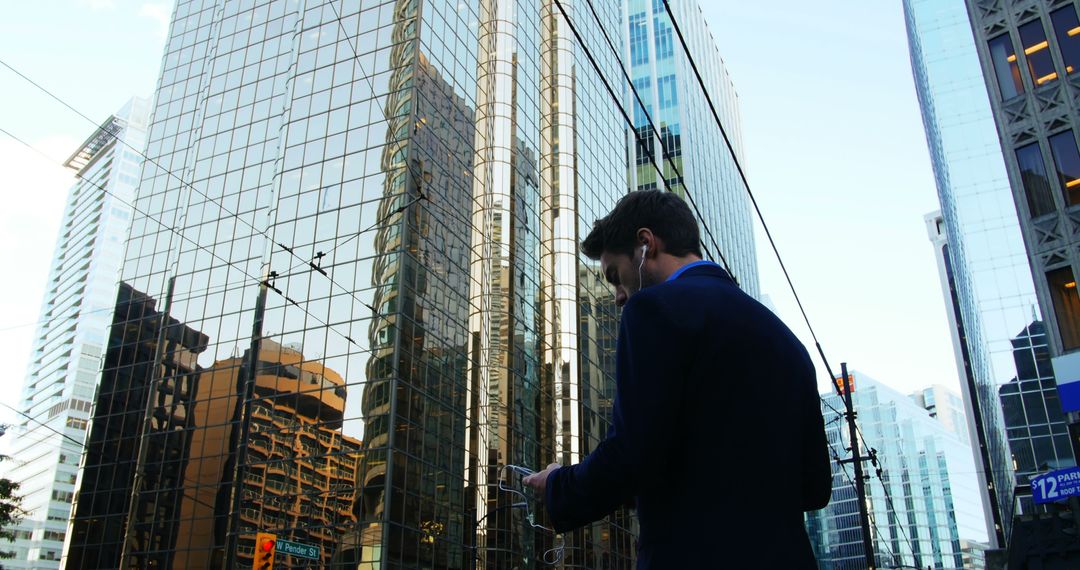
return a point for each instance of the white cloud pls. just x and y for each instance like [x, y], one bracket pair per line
[159, 12]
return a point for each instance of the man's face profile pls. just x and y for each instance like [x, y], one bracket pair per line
[620, 270]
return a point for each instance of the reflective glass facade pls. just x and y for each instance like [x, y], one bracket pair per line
[59, 389]
[985, 270]
[1036, 428]
[686, 142]
[931, 516]
[353, 291]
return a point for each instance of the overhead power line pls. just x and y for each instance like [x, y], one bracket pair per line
[746, 183]
[639, 138]
[181, 235]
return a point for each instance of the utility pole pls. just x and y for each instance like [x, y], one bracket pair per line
[857, 459]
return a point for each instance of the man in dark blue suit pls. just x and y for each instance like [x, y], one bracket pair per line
[717, 435]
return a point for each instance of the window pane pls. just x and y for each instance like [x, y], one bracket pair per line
[1035, 408]
[1040, 63]
[1005, 66]
[643, 85]
[1036, 184]
[1067, 161]
[1023, 456]
[1066, 305]
[1067, 30]
[665, 48]
[665, 87]
[639, 40]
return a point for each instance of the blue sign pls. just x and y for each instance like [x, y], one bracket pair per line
[1056, 485]
[298, 549]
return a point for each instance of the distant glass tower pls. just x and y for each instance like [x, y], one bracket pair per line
[947, 407]
[931, 515]
[361, 225]
[985, 273]
[70, 339]
[695, 147]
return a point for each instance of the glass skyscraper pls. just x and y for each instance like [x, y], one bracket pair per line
[985, 271]
[686, 143]
[931, 515]
[1029, 53]
[352, 290]
[70, 340]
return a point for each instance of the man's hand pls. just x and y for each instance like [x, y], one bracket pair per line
[538, 481]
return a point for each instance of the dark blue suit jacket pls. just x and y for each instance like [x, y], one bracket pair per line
[717, 433]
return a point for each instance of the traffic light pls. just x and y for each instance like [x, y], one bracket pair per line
[265, 545]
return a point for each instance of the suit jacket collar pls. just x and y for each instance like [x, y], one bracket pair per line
[706, 270]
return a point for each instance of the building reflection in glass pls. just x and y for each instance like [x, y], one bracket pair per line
[1036, 428]
[300, 472]
[412, 211]
[112, 447]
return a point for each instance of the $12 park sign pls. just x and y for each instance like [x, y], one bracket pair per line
[1056, 485]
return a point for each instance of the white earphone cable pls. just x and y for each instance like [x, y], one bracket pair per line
[551, 556]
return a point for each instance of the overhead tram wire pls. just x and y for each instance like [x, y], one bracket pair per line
[626, 117]
[142, 154]
[352, 294]
[375, 313]
[80, 444]
[180, 234]
[188, 185]
[191, 295]
[374, 96]
[665, 152]
[289, 250]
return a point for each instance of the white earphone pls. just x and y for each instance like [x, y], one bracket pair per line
[644, 250]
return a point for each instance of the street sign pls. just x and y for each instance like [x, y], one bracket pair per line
[1056, 485]
[298, 549]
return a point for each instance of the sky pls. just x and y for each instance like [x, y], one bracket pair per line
[838, 161]
[835, 152]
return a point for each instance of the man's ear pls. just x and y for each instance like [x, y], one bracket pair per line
[647, 239]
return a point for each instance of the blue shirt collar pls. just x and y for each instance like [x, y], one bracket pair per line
[683, 269]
